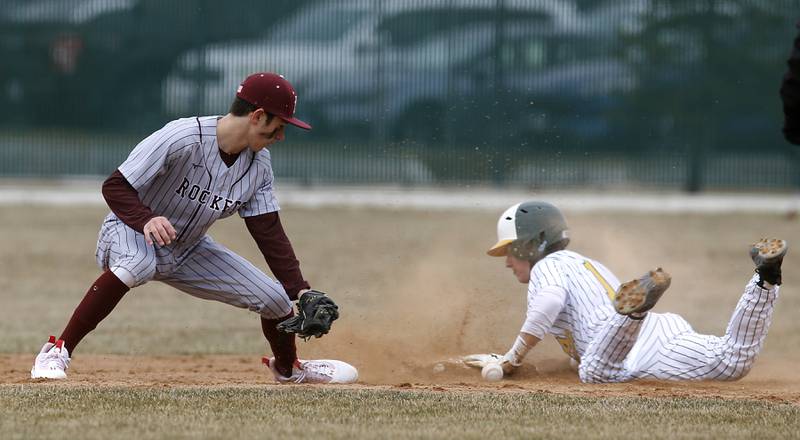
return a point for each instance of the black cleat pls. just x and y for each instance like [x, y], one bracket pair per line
[767, 254]
[639, 296]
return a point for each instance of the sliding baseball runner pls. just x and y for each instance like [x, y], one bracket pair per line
[605, 326]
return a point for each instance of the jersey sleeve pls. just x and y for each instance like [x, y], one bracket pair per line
[547, 295]
[273, 243]
[124, 201]
[153, 155]
[263, 201]
[543, 308]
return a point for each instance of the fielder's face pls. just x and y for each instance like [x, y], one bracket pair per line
[521, 268]
[262, 133]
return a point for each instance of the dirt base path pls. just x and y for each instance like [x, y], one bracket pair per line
[768, 381]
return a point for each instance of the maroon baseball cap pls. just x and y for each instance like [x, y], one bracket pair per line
[272, 93]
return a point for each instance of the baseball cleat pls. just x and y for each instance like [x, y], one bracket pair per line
[52, 361]
[639, 296]
[767, 254]
[315, 371]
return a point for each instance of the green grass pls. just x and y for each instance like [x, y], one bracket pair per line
[46, 411]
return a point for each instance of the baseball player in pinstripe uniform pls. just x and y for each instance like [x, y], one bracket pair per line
[605, 326]
[173, 186]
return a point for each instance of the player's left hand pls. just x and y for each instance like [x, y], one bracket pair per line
[315, 314]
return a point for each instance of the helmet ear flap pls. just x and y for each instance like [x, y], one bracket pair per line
[530, 249]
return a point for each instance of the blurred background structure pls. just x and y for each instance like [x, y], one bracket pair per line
[676, 94]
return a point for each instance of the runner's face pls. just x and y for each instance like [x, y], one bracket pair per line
[521, 268]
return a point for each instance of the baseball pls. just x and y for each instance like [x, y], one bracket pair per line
[438, 368]
[492, 372]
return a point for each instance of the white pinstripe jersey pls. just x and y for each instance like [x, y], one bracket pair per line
[179, 174]
[589, 286]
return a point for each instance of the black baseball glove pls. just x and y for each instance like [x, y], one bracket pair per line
[315, 314]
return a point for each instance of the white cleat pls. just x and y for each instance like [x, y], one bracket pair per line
[52, 361]
[315, 371]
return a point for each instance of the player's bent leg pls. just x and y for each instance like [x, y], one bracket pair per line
[746, 332]
[752, 317]
[217, 273]
[99, 301]
[730, 357]
[214, 272]
[281, 343]
[125, 252]
[54, 357]
[604, 359]
[127, 261]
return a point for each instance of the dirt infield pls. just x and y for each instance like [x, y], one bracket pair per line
[414, 288]
[769, 382]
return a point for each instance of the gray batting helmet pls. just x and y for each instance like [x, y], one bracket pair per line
[528, 230]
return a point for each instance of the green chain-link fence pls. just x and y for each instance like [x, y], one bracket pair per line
[541, 93]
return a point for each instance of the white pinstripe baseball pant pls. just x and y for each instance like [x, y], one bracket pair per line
[664, 346]
[204, 269]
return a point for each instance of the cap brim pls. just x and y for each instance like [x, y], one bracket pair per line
[500, 249]
[297, 123]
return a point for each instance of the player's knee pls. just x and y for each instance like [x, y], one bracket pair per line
[274, 303]
[737, 373]
[136, 275]
[589, 374]
[275, 309]
[146, 275]
[589, 378]
[596, 370]
[735, 377]
[735, 362]
[124, 276]
[269, 313]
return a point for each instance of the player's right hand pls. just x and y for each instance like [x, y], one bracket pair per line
[159, 230]
[480, 360]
